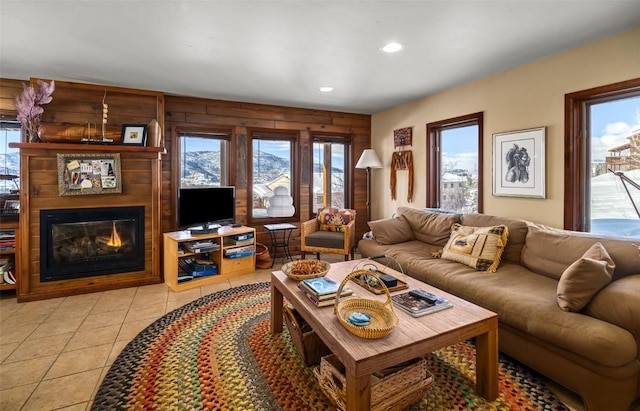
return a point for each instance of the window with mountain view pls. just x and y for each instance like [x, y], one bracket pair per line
[330, 172]
[10, 158]
[204, 160]
[272, 166]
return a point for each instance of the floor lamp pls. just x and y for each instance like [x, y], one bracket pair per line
[369, 159]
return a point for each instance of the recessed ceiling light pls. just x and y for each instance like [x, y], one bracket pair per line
[326, 89]
[392, 47]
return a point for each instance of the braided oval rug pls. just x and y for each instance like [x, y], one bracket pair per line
[217, 353]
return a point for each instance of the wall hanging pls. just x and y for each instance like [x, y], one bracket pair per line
[401, 160]
[402, 137]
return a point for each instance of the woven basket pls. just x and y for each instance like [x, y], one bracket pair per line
[263, 258]
[289, 268]
[383, 318]
[392, 389]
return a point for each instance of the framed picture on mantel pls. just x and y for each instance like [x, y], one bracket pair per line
[134, 134]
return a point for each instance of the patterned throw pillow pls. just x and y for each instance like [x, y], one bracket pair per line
[477, 247]
[335, 219]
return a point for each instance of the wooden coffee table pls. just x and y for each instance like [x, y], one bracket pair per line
[411, 338]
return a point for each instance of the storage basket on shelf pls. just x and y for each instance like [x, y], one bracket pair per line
[391, 389]
[307, 343]
[382, 317]
[305, 269]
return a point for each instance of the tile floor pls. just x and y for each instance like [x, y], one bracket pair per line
[54, 353]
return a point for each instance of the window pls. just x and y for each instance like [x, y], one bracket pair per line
[273, 164]
[602, 171]
[454, 153]
[204, 159]
[9, 158]
[331, 177]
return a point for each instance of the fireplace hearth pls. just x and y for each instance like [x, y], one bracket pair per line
[76, 243]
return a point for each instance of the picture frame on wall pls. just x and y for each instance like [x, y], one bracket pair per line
[134, 134]
[519, 163]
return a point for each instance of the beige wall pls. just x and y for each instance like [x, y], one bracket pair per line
[525, 97]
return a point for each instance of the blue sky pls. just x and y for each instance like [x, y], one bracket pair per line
[611, 123]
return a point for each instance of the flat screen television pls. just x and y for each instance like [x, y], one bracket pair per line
[206, 208]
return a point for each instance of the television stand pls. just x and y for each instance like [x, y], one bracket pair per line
[231, 249]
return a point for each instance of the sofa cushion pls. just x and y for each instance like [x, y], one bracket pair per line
[550, 251]
[334, 219]
[517, 232]
[428, 227]
[584, 278]
[392, 230]
[477, 247]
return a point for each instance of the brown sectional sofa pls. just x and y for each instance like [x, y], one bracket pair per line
[594, 352]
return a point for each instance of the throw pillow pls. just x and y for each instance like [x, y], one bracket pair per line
[477, 247]
[334, 219]
[584, 278]
[392, 230]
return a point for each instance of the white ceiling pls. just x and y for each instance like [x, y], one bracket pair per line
[281, 52]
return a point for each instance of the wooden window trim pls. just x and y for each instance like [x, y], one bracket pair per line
[348, 165]
[434, 131]
[271, 134]
[576, 147]
[195, 131]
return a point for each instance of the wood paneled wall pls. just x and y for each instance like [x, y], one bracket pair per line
[76, 104]
[184, 112]
[140, 172]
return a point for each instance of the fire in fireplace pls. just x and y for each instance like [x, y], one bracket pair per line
[85, 242]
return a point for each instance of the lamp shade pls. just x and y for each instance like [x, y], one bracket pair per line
[369, 159]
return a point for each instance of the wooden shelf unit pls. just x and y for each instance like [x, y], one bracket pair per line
[13, 253]
[227, 267]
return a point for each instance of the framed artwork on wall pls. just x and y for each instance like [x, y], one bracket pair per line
[519, 163]
[134, 134]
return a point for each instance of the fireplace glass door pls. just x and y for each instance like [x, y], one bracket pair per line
[87, 242]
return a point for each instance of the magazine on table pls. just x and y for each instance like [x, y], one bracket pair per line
[419, 302]
[322, 285]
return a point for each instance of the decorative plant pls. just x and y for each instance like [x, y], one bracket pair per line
[29, 105]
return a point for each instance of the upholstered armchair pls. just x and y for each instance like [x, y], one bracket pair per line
[332, 231]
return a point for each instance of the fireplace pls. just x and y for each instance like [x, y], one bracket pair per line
[86, 242]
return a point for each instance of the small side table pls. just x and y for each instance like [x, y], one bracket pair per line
[286, 229]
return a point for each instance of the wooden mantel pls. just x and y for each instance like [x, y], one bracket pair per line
[141, 186]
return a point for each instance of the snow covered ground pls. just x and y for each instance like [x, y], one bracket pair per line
[612, 212]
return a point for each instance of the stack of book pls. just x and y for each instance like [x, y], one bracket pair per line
[322, 291]
[7, 239]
